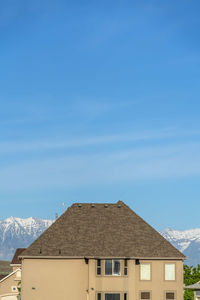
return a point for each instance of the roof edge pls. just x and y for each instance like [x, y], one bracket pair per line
[101, 257]
[10, 275]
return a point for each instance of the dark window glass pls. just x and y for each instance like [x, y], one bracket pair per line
[116, 269]
[125, 267]
[170, 295]
[145, 295]
[108, 268]
[112, 296]
[98, 262]
[99, 296]
[98, 267]
[125, 296]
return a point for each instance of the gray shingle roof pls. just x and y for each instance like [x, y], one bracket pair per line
[102, 230]
[15, 260]
[195, 286]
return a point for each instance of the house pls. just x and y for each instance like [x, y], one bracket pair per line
[9, 284]
[101, 252]
[196, 288]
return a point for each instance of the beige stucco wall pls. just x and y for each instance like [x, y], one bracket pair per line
[15, 267]
[54, 279]
[64, 279]
[6, 285]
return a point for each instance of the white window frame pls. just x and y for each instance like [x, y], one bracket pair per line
[167, 277]
[113, 274]
[141, 275]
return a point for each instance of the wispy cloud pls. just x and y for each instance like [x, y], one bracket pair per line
[147, 163]
[78, 142]
[35, 109]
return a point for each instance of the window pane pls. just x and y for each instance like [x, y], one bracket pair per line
[170, 296]
[145, 295]
[98, 271]
[145, 272]
[108, 267]
[125, 296]
[116, 269]
[112, 296]
[125, 267]
[98, 267]
[98, 262]
[169, 271]
[99, 296]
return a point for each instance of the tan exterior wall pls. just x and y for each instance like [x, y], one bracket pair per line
[6, 285]
[65, 279]
[53, 279]
[15, 267]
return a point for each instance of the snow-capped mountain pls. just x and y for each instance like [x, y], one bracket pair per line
[19, 233]
[187, 241]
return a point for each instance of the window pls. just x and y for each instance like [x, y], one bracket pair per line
[108, 267]
[99, 296]
[112, 267]
[169, 271]
[145, 272]
[145, 295]
[98, 267]
[170, 296]
[125, 296]
[125, 267]
[112, 296]
[116, 267]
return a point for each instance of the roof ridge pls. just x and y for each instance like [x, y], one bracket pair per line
[83, 230]
[98, 203]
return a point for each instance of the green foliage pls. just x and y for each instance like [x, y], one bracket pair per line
[19, 290]
[191, 276]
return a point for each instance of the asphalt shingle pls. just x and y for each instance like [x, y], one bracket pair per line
[102, 230]
[15, 260]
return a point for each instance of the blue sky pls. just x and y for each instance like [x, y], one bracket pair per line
[99, 101]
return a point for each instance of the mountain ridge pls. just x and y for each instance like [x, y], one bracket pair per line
[187, 241]
[20, 233]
